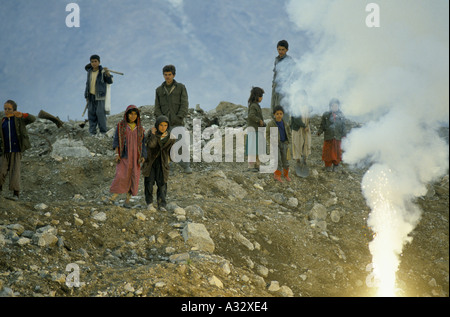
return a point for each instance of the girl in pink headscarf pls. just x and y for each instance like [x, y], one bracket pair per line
[130, 154]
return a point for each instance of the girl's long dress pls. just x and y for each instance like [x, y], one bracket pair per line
[128, 169]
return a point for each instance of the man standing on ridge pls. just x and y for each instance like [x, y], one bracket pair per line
[171, 100]
[95, 94]
[282, 72]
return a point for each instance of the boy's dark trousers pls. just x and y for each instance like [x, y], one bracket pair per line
[156, 176]
[10, 162]
[96, 115]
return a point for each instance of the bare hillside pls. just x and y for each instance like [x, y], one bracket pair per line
[256, 237]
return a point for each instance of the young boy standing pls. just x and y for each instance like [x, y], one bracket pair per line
[156, 166]
[171, 100]
[284, 133]
[95, 94]
[14, 141]
[281, 72]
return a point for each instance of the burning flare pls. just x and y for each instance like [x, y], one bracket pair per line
[391, 220]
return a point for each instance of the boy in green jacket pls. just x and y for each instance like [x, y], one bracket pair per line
[171, 100]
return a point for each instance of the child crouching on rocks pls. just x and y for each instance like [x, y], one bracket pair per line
[14, 141]
[156, 166]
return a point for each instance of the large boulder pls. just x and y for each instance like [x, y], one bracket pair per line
[196, 235]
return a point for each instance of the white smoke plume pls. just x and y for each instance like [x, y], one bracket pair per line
[395, 79]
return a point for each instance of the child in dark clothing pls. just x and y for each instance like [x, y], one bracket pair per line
[333, 127]
[284, 135]
[13, 142]
[156, 166]
[254, 121]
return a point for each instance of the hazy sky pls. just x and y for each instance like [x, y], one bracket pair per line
[220, 48]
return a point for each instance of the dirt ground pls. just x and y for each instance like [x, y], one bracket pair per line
[262, 230]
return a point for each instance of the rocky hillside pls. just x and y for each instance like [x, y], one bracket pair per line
[227, 232]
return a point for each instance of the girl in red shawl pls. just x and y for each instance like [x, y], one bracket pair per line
[333, 127]
[130, 154]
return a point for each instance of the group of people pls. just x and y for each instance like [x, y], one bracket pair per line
[137, 153]
[171, 107]
[149, 154]
[294, 131]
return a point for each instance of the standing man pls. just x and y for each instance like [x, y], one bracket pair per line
[171, 100]
[95, 94]
[282, 72]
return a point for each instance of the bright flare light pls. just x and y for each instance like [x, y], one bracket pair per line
[390, 226]
[385, 260]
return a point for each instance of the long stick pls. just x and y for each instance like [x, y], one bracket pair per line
[113, 71]
[85, 108]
